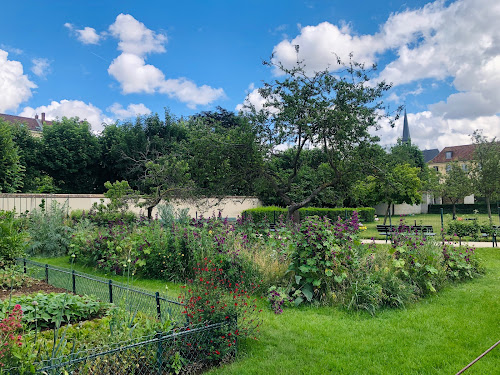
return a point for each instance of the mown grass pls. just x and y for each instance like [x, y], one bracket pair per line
[437, 335]
[423, 219]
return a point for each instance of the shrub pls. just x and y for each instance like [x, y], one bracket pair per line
[324, 256]
[419, 260]
[10, 338]
[51, 310]
[460, 263]
[48, 231]
[12, 238]
[271, 214]
[464, 228]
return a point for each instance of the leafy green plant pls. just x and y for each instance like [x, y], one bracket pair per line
[54, 309]
[464, 228]
[12, 238]
[12, 278]
[48, 231]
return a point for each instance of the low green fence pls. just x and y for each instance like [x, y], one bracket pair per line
[106, 290]
[186, 350]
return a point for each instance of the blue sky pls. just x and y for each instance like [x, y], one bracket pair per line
[112, 60]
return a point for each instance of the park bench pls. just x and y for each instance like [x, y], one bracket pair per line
[493, 234]
[386, 230]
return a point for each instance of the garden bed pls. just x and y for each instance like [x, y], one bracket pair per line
[35, 286]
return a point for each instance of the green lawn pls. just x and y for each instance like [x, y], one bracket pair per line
[437, 335]
[422, 219]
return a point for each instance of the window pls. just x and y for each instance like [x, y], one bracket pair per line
[448, 167]
[436, 168]
[449, 154]
[464, 167]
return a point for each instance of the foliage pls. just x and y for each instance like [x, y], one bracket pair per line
[464, 228]
[211, 297]
[278, 298]
[48, 231]
[460, 263]
[332, 110]
[223, 155]
[418, 260]
[11, 278]
[70, 154]
[165, 178]
[10, 338]
[29, 154]
[456, 184]
[12, 238]
[168, 215]
[325, 254]
[272, 213]
[102, 215]
[119, 193]
[51, 310]
[486, 170]
[11, 168]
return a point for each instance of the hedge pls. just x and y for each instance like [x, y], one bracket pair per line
[462, 208]
[272, 213]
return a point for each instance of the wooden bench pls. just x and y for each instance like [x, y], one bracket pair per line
[493, 234]
[387, 230]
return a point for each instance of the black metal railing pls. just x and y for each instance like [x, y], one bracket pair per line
[106, 290]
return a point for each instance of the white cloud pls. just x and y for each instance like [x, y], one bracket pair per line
[15, 87]
[132, 110]
[430, 131]
[188, 92]
[71, 108]
[136, 76]
[254, 99]
[87, 35]
[135, 38]
[455, 41]
[41, 67]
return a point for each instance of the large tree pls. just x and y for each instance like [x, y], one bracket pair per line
[11, 169]
[486, 169]
[70, 154]
[456, 185]
[29, 153]
[330, 110]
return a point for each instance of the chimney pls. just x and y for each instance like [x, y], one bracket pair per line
[36, 116]
[43, 117]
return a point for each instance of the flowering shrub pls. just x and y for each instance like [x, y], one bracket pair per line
[464, 228]
[460, 263]
[278, 298]
[324, 256]
[10, 337]
[210, 297]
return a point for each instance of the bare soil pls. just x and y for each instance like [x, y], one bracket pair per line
[34, 286]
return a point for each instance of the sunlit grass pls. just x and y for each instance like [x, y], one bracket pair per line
[437, 335]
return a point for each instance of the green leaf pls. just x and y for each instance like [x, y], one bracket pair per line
[317, 282]
[297, 279]
[304, 269]
[328, 273]
[307, 291]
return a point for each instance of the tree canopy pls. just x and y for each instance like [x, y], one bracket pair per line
[11, 169]
[332, 111]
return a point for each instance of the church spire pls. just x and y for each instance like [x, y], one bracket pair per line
[406, 129]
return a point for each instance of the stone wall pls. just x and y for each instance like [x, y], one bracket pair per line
[229, 206]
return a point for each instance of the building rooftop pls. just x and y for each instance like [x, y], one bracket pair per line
[455, 153]
[33, 124]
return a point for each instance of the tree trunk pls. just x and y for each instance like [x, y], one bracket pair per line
[454, 211]
[488, 208]
[150, 212]
[293, 213]
[387, 212]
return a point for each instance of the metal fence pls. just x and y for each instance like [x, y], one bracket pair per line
[106, 290]
[182, 351]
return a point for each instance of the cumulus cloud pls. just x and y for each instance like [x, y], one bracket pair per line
[41, 67]
[71, 108]
[132, 110]
[430, 131]
[15, 87]
[136, 76]
[135, 38]
[454, 41]
[87, 35]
